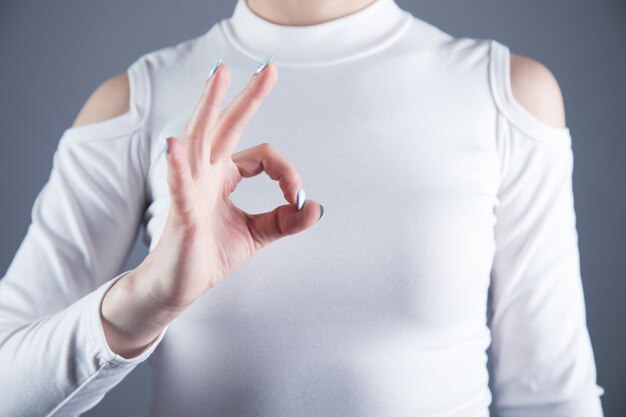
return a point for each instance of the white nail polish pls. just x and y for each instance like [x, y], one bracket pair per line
[264, 63]
[166, 148]
[301, 198]
[214, 67]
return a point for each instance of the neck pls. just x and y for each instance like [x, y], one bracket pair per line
[304, 12]
[342, 38]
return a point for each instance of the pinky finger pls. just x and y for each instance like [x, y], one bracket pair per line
[179, 178]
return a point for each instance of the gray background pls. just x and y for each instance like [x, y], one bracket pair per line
[53, 54]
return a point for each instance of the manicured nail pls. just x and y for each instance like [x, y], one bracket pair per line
[166, 148]
[301, 198]
[214, 67]
[322, 213]
[264, 63]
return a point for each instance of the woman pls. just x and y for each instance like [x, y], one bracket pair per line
[444, 165]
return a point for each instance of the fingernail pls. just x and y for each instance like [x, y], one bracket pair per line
[322, 213]
[214, 67]
[264, 63]
[166, 148]
[300, 198]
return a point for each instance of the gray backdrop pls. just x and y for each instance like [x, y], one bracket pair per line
[53, 55]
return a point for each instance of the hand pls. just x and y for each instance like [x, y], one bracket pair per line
[206, 237]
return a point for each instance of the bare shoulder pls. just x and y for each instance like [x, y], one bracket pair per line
[109, 99]
[537, 90]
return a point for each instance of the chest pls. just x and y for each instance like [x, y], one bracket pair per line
[407, 171]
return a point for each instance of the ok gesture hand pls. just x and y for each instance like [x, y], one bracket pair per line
[206, 237]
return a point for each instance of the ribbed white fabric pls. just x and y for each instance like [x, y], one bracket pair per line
[444, 199]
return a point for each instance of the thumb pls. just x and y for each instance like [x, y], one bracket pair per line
[283, 221]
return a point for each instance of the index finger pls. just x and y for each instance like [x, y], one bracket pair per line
[235, 117]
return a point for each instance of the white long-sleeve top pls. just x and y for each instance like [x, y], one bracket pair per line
[445, 200]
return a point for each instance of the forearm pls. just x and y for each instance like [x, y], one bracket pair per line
[585, 406]
[59, 362]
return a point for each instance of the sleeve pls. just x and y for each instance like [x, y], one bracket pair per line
[54, 359]
[542, 357]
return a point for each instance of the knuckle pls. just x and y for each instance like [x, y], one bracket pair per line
[194, 138]
[250, 98]
[187, 130]
[249, 88]
[220, 119]
[248, 91]
[294, 176]
[267, 148]
[252, 94]
[293, 173]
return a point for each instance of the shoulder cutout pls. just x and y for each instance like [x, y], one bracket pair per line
[536, 108]
[536, 89]
[108, 100]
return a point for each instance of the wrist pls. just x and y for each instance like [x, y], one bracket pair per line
[131, 319]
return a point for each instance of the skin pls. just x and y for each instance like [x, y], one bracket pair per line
[206, 237]
[298, 12]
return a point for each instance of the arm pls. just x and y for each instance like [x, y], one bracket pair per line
[54, 358]
[54, 354]
[543, 363]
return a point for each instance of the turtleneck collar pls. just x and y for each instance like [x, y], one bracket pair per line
[344, 38]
